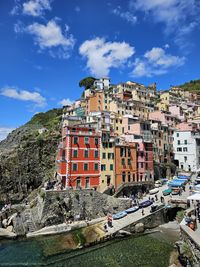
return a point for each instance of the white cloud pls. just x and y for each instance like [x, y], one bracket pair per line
[24, 95]
[156, 62]
[15, 10]
[126, 15]
[180, 17]
[4, 131]
[51, 37]
[36, 7]
[102, 56]
[65, 102]
[19, 27]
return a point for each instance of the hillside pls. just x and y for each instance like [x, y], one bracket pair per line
[27, 157]
[192, 86]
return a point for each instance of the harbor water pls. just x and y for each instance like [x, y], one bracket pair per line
[152, 250]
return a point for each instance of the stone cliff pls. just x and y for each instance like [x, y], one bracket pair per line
[27, 155]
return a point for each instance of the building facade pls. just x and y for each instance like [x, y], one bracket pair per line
[78, 161]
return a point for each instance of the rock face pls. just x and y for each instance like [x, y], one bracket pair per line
[27, 157]
[78, 204]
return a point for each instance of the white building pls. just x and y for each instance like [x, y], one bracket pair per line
[102, 83]
[186, 145]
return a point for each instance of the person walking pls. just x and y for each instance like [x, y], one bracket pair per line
[142, 211]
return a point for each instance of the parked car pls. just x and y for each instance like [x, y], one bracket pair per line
[175, 191]
[133, 209]
[167, 192]
[158, 183]
[145, 204]
[119, 215]
[154, 191]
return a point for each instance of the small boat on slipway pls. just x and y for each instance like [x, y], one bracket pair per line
[119, 215]
[131, 210]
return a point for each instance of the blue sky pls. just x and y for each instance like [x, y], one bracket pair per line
[48, 46]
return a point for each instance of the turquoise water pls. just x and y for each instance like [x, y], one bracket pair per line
[150, 251]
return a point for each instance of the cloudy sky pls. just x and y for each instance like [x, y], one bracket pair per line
[48, 46]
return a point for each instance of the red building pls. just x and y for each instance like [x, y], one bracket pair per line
[79, 158]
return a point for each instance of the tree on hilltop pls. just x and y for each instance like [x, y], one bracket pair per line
[87, 82]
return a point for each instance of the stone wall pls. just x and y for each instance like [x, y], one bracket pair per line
[192, 239]
[78, 205]
[151, 221]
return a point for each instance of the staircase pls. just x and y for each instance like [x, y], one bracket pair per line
[28, 220]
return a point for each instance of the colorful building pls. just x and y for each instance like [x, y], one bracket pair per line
[78, 161]
[125, 163]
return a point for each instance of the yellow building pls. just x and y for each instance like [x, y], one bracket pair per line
[107, 165]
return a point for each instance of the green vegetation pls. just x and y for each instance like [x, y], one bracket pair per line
[192, 86]
[49, 119]
[87, 82]
[180, 215]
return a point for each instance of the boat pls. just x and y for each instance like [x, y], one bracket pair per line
[133, 209]
[167, 192]
[154, 191]
[119, 215]
[145, 204]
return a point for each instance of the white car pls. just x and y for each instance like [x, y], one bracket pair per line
[153, 191]
[158, 184]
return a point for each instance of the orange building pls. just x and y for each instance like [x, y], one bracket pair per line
[95, 102]
[78, 160]
[125, 163]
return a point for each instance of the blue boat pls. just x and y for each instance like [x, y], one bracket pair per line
[133, 209]
[119, 215]
[145, 204]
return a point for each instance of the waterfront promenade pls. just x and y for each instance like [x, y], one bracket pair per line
[137, 216]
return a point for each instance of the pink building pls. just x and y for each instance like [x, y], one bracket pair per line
[145, 169]
[187, 126]
[145, 161]
[164, 117]
[177, 111]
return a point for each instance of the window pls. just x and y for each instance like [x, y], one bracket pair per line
[75, 140]
[129, 152]
[185, 159]
[122, 152]
[177, 135]
[129, 162]
[103, 167]
[96, 166]
[185, 142]
[110, 144]
[179, 149]
[129, 177]
[96, 153]
[87, 182]
[85, 166]
[111, 167]
[96, 141]
[78, 182]
[63, 154]
[123, 162]
[104, 155]
[75, 153]
[185, 149]
[86, 153]
[178, 142]
[129, 127]
[141, 164]
[124, 177]
[86, 140]
[74, 167]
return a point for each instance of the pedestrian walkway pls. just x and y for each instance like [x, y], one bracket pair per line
[136, 216]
